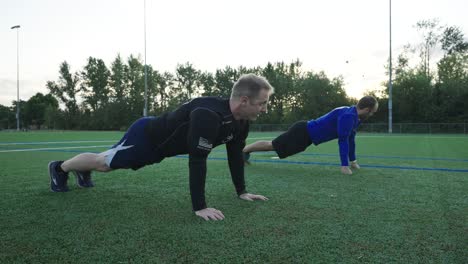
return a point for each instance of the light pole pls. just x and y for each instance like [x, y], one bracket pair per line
[145, 110]
[17, 27]
[390, 117]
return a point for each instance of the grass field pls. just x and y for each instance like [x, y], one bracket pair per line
[407, 204]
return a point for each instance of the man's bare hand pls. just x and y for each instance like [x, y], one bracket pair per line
[355, 165]
[346, 170]
[210, 214]
[252, 197]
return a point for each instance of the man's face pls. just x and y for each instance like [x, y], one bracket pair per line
[369, 112]
[253, 107]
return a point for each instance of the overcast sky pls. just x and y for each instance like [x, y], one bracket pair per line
[212, 34]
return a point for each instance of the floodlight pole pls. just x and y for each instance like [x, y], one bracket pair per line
[390, 117]
[145, 110]
[17, 27]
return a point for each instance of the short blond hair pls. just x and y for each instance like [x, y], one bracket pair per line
[250, 85]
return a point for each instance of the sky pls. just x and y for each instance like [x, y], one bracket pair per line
[339, 37]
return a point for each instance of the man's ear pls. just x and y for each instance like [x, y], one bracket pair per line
[244, 99]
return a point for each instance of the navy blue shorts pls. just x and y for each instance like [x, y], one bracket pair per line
[134, 150]
[293, 141]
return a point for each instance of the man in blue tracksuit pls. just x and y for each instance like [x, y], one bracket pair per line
[341, 123]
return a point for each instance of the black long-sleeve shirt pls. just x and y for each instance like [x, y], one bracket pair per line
[195, 128]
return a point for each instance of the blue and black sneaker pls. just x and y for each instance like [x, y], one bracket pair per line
[58, 178]
[246, 157]
[83, 179]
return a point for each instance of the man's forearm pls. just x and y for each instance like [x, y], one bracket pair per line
[344, 151]
[236, 167]
[197, 175]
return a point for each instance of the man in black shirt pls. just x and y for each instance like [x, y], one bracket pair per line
[194, 128]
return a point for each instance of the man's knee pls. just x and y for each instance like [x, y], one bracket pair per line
[105, 168]
[101, 164]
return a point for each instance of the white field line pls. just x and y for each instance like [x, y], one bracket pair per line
[41, 149]
[415, 136]
[103, 141]
[55, 142]
[388, 136]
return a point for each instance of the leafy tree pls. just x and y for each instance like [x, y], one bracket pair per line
[430, 31]
[206, 83]
[135, 77]
[453, 40]
[66, 89]
[94, 85]
[164, 83]
[412, 93]
[23, 123]
[278, 76]
[224, 80]
[152, 83]
[53, 117]
[119, 109]
[35, 109]
[186, 80]
[7, 117]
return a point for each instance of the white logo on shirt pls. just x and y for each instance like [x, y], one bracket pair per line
[204, 144]
[228, 138]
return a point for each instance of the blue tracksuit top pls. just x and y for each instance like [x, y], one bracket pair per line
[340, 123]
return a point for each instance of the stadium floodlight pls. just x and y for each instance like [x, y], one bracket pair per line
[390, 117]
[17, 27]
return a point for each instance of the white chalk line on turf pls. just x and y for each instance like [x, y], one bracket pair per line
[250, 138]
[42, 149]
[411, 136]
[387, 136]
[104, 141]
[55, 142]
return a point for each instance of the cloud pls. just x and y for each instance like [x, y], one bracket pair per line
[8, 87]
[27, 88]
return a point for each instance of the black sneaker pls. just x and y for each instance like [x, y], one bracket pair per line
[83, 179]
[58, 180]
[246, 157]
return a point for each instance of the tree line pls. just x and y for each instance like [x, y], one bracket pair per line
[101, 97]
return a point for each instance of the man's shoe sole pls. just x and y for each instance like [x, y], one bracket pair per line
[78, 181]
[52, 179]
